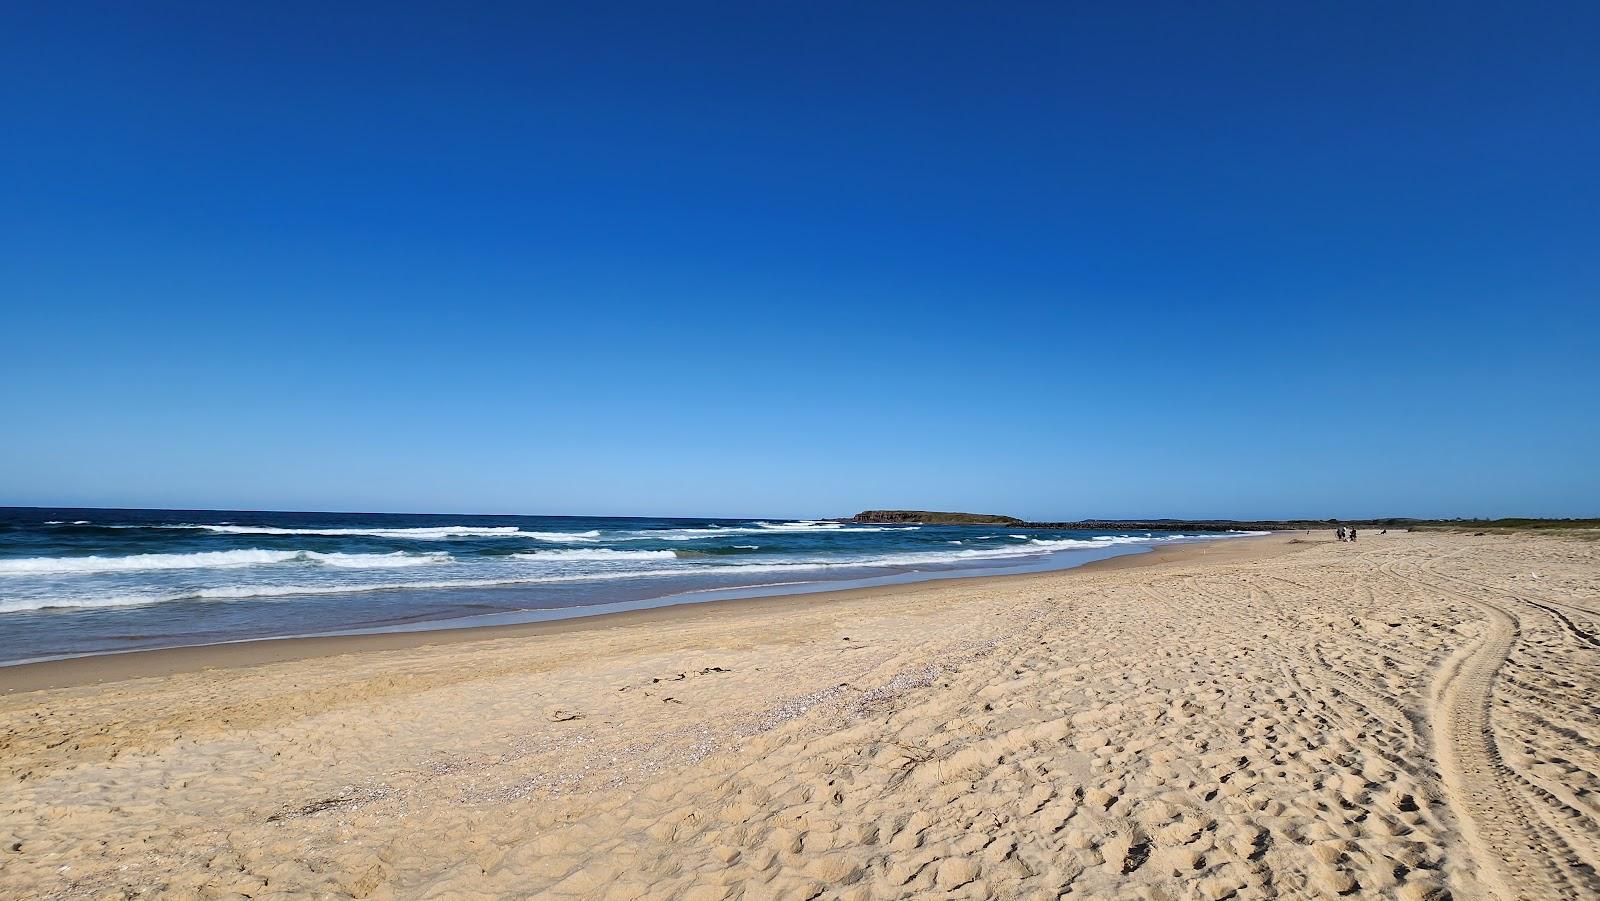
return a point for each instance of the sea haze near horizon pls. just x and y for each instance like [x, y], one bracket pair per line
[91, 581]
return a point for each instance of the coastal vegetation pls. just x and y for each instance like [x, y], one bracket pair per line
[1572, 528]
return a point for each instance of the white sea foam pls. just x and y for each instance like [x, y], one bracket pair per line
[566, 537]
[669, 565]
[598, 553]
[432, 533]
[264, 591]
[247, 592]
[684, 534]
[822, 525]
[257, 557]
[24, 605]
[1032, 548]
[29, 566]
[136, 562]
[395, 560]
[757, 528]
[1035, 548]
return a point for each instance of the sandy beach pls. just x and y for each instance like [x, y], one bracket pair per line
[1409, 716]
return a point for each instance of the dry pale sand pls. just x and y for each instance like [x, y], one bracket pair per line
[1410, 716]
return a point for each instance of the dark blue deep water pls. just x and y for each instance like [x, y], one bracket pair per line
[93, 581]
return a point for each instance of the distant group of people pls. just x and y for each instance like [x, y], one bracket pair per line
[1346, 534]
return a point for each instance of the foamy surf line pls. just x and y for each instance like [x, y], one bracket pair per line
[903, 568]
[28, 566]
[668, 564]
[529, 616]
[437, 533]
[440, 533]
[72, 583]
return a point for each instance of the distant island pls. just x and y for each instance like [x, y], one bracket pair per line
[1584, 527]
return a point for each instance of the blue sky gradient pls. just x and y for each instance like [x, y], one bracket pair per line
[798, 259]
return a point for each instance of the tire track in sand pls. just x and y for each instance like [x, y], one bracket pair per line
[1519, 857]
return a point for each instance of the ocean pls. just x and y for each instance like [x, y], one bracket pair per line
[76, 581]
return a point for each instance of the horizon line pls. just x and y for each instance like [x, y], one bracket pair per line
[1177, 519]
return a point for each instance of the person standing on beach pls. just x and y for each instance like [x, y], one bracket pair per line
[1352, 534]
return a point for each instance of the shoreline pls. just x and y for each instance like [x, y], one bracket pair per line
[1100, 731]
[119, 666]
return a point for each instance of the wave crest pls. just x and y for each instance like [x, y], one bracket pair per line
[29, 566]
[601, 554]
[429, 533]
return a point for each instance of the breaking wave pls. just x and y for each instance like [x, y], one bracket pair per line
[432, 533]
[210, 560]
[761, 527]
[598, 553]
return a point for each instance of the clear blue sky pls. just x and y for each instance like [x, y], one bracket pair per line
[1244, 259]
